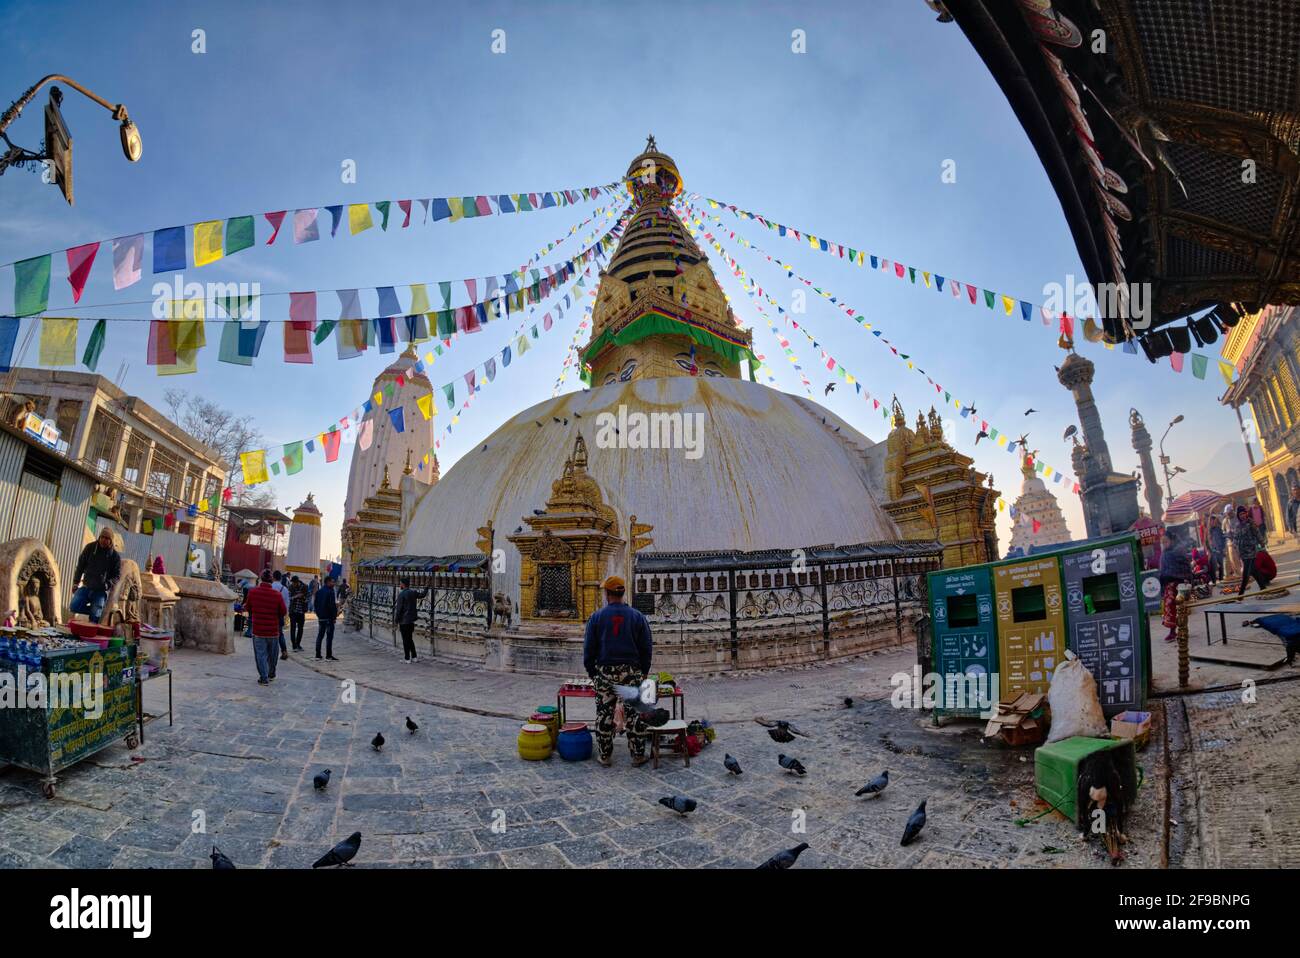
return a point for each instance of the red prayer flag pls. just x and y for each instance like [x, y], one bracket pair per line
[162, 346]
[80, 259]
[332, 439]
[298, 336]
[405, 207]
[483, 206]
[970, 291]
[1176, 360]
[275, 219]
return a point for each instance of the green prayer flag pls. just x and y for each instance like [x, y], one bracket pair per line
[95, 346]
[31, 285]
[238, 305]
[988, 298]
[911, 272]
[292, 458]
[323, 330]
[275, 468]
[1199, 364]
[947, 397]
[383, 211]
[470, 205]
[446, 325]
[445, 288]
[239, 233]
[449, 391]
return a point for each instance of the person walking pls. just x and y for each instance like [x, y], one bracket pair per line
[1175, 569]
[278, 583]
[266, 610]
[405, 615]
[327, 611]
[1250, 538]
[297, 612]
[616, 650]
[98, 568]
[1218, 543]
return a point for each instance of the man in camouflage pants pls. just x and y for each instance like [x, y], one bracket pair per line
[616, 651]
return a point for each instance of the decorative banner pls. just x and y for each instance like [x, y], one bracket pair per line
[169, 245]
[58, 342]
[693, 217]
[1051, 319]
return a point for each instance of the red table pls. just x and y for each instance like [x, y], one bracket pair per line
[589, 692]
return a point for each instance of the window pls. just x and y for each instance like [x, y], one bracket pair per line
[67, 415]
[555, 589]
[137, 454]
[105, 440]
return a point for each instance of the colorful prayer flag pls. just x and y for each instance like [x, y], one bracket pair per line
[398, 417]
[80, 259]
[128, 260]
[58, 342]
[207, 242]
[169, 249]
[239, 234]
[31, 285]
[305, 229]
[425, 404]
[254, 466]
[95, 345]
[359, 218]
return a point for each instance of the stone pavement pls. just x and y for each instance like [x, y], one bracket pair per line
[242, 757]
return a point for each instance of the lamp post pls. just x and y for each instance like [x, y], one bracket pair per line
[132, 145]
[1164, 460]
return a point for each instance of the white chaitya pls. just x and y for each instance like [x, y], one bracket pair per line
[303, 558]
[386, 446]
[1038, 520]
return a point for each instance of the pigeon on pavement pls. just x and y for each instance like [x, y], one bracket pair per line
[914, 825]
[411, 726]
[781, 724]
[732, 765]
[321, 780]
[783, 860]
[377, 743]
[342, 853]
[678, 803]
[791, 764]
[876, 785]
[780, 735]
[220, 863]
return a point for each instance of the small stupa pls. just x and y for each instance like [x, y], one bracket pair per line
[1036, 515]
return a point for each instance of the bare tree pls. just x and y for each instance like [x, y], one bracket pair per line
[225, 432]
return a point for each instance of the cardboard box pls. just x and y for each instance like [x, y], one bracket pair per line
[1132, 725]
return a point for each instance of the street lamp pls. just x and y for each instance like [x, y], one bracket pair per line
[1164, 460]
[58, 145]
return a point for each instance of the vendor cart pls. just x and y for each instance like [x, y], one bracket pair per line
[46, 736]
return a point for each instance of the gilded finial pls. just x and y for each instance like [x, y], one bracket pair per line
[385, 484]
[407, 470]
[650, 145]
[900, 419]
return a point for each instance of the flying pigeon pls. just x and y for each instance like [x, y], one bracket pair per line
[678, 803]
[411, 726]
[1070, 431]
[875, 786]
[783, 860]
[914, 825]
[782, 724]
[577, 415]
[518, 529]
[1031, 409]
[791, 764]
[321, 780]
[342, 853]
[220, 863]
[829, 389]
[377, 743]
[848, 702]
[972, 410]
[780, 735]
[732, 765]
[982, 435]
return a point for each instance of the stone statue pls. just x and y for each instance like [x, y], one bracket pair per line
[502, 609]
[31, 613]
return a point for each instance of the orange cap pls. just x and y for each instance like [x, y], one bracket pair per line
[614, 584]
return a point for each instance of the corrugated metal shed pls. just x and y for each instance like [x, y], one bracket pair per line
[43, 496]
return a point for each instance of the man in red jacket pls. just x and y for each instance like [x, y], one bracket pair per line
[266, 609]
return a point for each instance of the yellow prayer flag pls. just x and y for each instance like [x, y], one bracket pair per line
[359, 217]
[455, 419]
[379, 399]
[426, 405]
[203, 505]
[254, 464]
[850, 379]
[185, 309]
[457, 206]
[207, 242]
[1047, 472]
[419, 299]
[1002, 441]
[1002, 505]
[1226, 370]
[58, 342]
[1008, 303]
[926, 277]
[428, 358]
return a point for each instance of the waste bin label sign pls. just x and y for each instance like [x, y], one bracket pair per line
[964, 652]
[1104, 623]
[1030, 624]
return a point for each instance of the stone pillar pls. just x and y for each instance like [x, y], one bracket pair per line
[1183, 610]
[1142, 446]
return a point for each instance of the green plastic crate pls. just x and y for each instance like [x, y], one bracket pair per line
[1056, 770]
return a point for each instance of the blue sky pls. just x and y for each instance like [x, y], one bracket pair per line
[847, 141]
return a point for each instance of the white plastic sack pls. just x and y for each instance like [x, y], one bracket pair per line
[1072, 696]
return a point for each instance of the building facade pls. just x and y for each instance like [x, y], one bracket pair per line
[1265, 349]
[147, 464]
